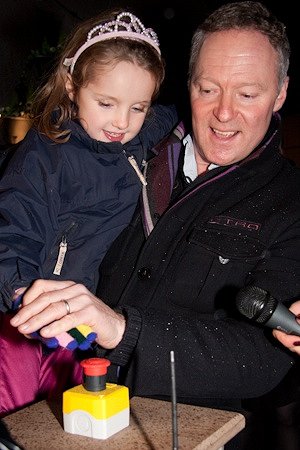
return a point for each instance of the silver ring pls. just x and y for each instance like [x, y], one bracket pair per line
[67, 306]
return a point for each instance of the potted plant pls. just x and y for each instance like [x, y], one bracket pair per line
[14, 124]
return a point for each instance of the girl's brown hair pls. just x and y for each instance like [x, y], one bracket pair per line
[53, 96]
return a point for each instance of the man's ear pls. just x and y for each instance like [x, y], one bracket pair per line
[69, 87]
[281, 96]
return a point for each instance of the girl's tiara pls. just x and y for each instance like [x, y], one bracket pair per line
[126, 25]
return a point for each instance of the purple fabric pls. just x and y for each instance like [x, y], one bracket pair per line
[27, 374]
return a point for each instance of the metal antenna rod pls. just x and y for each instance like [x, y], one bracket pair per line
[174, 402]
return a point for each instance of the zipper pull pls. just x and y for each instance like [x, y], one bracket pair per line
[134, 164]
[61, 256]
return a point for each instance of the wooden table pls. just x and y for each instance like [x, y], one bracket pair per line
[38, 427]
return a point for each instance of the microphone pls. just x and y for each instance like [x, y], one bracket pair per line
[258, 305]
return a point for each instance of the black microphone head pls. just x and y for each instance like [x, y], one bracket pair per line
[255, 303]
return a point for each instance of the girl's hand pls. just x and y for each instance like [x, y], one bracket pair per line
[53, 307]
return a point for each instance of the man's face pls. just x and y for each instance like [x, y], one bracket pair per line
[233, 95]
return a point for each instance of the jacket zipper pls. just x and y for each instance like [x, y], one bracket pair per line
[134, 164]
[63, 246]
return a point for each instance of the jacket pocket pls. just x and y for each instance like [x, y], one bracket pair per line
[210, 267]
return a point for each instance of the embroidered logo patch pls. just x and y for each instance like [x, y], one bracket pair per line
[235, 223]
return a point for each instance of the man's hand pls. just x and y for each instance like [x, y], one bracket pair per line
[290, 341]
[54, 307]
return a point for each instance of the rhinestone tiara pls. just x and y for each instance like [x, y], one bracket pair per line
[126, 25]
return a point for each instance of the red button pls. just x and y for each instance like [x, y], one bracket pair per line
[95, 366]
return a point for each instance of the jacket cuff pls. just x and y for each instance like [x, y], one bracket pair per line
[122, 353]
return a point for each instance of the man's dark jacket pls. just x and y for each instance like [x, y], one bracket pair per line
[232, 226]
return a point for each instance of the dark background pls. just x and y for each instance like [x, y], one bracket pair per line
[25, 24]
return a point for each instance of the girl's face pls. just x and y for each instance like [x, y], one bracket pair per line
[114, 105]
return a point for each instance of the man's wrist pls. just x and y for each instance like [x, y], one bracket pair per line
[121, 354]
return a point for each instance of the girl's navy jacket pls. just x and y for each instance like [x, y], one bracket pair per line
[62, 205]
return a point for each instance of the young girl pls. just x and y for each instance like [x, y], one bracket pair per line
[74, 181]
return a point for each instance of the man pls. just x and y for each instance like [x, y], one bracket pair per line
[220, 211]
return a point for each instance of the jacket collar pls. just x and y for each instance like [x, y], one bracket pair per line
[163, 170]
[78, 133]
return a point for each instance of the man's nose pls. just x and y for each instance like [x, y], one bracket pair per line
[224, 108]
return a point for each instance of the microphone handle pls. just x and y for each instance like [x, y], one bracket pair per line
[284, 320]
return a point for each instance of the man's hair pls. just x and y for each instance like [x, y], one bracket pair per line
[246, 15]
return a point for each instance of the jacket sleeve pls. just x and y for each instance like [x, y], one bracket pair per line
[160, 122]
[215, 357]
[28, 205]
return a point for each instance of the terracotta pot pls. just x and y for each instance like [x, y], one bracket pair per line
[15, 128]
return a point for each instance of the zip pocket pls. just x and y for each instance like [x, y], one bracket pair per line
[229, 247]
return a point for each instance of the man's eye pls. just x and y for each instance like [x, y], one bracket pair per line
[206, 91]
[248, 96]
